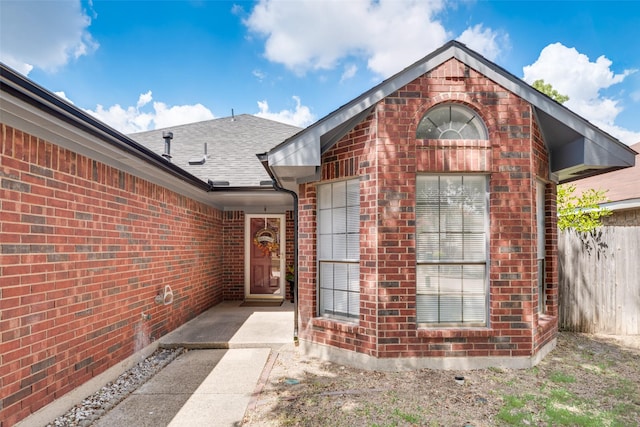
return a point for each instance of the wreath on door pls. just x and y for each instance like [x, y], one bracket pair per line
[266, 241]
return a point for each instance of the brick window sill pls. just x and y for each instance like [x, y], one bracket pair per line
[325, 323]
[545, 321]
[455, 332]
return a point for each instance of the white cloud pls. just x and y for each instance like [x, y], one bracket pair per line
[388, 34]
[485, 41]
[135, 119]
[348, 73]
[63, 95]
[179, 114]
[301, 116]
[363, 28]
[572, 73]
[46, 34]
[259, 74]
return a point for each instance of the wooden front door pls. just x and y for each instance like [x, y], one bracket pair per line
[264, 267]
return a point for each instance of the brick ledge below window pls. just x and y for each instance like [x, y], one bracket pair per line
[456, 332]
[335, 325]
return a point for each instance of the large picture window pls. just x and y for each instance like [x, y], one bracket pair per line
[451, 246]
[339, 249]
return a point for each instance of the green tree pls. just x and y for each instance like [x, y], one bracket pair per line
[581, 213]
[548, 90]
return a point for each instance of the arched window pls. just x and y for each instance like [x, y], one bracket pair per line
[451, 121]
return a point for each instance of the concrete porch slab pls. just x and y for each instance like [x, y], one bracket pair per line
[228, 325]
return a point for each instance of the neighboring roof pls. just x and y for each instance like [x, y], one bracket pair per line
[622, 186]
[577, 147]
[232, 145]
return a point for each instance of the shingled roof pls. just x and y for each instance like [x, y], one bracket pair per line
[232, 145]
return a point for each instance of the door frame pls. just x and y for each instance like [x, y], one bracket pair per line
[248, 241]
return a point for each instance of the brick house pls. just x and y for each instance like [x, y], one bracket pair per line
[420, 215]
[427, 216]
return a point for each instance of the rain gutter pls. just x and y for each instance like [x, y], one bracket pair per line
[276, 186]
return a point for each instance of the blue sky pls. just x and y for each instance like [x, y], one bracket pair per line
[140, 65]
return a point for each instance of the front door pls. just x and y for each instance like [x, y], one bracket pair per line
[264, 266]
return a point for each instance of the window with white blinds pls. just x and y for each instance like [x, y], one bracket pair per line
[540, 215]
[451, 249]
[339, 249]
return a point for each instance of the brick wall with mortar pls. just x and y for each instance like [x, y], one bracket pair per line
[385, 154]
[233, 248]
[85, 248]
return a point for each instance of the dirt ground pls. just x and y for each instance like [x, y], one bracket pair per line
[586, 381]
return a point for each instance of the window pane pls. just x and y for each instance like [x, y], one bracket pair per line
[427, 308]
[339, 247]
[324, 221]
[354, 305]
[324, 196]
[353, 192]
[428, 190]
[428, 217]
[451, 247]
[450, 278]
[450, 308]
[326, 275]
[474, 308]
[428, 247]
[474, 247]
[339, 194]
[326, 301]
[325, 251]
[340, 276]
[474, 278]
[353, 246]
[354, 278]
[341, 302]
[353, 219]
[427, 279]
[339, 220]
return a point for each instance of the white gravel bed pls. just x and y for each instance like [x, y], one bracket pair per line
[93, 407]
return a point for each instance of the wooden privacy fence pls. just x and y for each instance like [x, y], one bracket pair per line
[599, 279]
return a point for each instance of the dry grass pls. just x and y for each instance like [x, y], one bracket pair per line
[585, 381]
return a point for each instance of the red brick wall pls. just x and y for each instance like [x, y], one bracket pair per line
[385, 154]
[85, 248]
[233, 268]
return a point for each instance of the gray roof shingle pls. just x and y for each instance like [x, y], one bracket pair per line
[232, 145]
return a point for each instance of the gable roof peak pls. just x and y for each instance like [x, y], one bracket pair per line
[298, 158]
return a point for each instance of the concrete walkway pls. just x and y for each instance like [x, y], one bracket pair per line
[211, 384]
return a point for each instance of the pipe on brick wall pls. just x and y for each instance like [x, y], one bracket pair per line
[276, 186]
